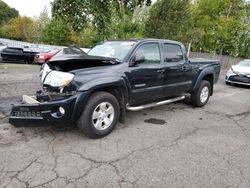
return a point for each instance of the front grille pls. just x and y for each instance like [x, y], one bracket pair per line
[237, 78]
[25, 114]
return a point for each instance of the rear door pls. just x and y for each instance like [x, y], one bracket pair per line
[147, 79]
[178, 71]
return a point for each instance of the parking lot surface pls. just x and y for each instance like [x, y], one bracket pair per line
[174, 145]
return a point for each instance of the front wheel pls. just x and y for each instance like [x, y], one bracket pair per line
[200, 97]
[100, 115]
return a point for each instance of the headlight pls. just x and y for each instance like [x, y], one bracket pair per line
[45, 69]
[58, 79]
[230, 72]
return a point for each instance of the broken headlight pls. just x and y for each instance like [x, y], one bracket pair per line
[58, 79]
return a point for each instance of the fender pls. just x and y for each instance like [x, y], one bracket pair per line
[100, 83]
[109, 81]
[103, 82]
[205, 72]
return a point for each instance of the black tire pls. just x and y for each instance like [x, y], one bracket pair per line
[196, 95]
[85, 122]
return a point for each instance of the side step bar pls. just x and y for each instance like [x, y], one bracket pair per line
[137, 108]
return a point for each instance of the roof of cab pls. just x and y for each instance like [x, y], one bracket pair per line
[148, 39]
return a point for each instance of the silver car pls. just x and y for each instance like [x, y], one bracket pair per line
[239, 74]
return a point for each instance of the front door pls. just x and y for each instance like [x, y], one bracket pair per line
[147, 79]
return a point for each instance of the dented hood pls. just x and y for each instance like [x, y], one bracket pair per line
[74, 62]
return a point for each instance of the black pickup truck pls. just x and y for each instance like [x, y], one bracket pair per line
[96, 89]
[17, 54]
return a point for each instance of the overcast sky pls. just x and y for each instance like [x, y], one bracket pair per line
[29, 7]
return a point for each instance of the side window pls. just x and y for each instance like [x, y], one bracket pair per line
[172, 53]
[151, 52]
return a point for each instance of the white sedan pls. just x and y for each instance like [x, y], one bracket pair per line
[239, 74]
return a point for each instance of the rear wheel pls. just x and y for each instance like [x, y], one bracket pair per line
[100, 115]
[201, 96]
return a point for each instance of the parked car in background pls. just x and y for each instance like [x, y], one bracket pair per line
[17, 54]
[239, 73]
[2, 46]
[86, 50]
[68, 53]
[43, 57]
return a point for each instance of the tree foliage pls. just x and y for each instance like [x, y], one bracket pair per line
[57, 32]
[19, 28]
[169, 19]
[220, 24]
[6, 13]
[80, 13]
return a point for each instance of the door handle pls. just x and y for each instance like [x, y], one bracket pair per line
[184, 67]
[160, 70]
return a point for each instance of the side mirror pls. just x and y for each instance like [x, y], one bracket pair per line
[138, 59]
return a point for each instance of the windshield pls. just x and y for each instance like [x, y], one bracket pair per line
[53, 51]
[113, 49]
[245, 63]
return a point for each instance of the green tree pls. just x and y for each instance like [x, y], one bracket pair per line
[169, 19]
[80, 13]
[220, 25]
[19, 28]
[40, 22]
[244, 40]
[6, 13]
[87, 38]
[57, 32]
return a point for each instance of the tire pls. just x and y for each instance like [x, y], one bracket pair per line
[197, 99]
[94, 121]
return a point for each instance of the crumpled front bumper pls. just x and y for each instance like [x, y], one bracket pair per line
[48, 112]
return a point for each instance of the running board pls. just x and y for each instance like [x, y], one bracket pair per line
[151, 105]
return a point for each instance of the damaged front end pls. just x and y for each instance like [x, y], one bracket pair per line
[60, 100]
[56, 103]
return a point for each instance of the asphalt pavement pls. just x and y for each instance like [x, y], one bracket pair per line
[174, 145]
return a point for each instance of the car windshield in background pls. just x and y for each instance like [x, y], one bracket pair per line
[245, 63]
[113, 49]
[53, 51]
[73, 50]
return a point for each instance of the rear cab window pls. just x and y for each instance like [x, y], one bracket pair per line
[172, 53]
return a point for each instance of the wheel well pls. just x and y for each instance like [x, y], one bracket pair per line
[210, 79]
[120, 95]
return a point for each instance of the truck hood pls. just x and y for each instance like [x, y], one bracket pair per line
[84, 68]
[68, 63]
